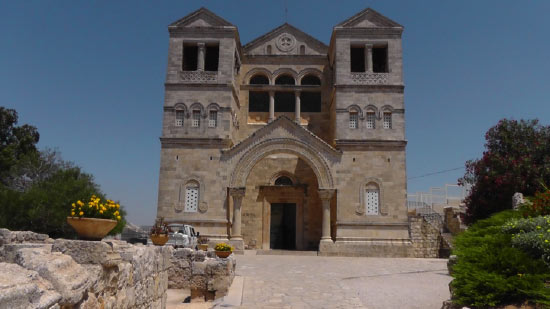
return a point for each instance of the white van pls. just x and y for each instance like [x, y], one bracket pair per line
[182, 236]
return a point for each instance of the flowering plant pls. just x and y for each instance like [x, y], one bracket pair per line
[223, 247]
[95, 208]
[160, 227]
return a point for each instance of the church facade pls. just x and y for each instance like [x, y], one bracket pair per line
[285, 142]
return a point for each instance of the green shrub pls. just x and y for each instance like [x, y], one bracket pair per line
[531, 235]
[490, 271]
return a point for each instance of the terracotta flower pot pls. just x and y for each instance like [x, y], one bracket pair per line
[203, 247]
[91, 228]
[159, 239]
[223, 254]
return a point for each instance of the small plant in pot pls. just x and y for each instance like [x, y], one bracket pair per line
[223, 250]
[203, 243]
[94, 219]
[159, 232]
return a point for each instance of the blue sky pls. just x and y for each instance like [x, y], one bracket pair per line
[89, 76]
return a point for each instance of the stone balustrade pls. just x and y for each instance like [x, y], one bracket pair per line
[199, 76]
[369, 78]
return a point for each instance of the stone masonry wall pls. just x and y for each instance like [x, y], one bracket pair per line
[425, 237]
[206, 275]
[39, 272]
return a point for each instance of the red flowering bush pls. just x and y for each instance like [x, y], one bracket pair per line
[537, 205]
[516, 159]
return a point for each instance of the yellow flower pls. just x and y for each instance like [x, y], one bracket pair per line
[81, 213]
[101, 211]
[73, 204]
[546, 240]
[118, 218]
[116, 213]
[72, 213]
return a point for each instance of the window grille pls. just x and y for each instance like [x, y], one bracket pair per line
[179, 118]
[370, 121]
[196, 119]
[353, 116]
[372, 201]
[191, 198]
[387, 121]
[213, 119]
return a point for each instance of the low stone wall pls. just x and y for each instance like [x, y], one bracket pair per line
[207, 276]
[425, 237]
[39, 272]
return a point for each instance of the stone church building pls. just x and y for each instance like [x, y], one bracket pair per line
[285, 142]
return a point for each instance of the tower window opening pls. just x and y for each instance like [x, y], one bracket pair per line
[284, 102]
[357, 56]
[190, 54]
[211, 58]
[380, 59]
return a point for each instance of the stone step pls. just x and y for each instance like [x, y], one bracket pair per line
[286, 252]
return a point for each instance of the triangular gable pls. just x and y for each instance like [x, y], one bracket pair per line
[286, 40]
[283, 127]
[369, 18]
[201, 18]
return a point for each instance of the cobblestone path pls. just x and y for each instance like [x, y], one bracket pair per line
[342, 282]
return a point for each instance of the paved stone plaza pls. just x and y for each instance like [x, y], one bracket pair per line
[341, 282]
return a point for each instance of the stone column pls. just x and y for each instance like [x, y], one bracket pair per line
[297, 107]
[326, 195]
[368, 57]
[200, 59]
[237, 194]
[271, 106]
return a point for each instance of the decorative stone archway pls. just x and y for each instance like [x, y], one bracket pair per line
[281, 145]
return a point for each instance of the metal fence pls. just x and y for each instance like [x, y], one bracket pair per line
[449, 194]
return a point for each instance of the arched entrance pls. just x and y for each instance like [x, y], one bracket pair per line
[283, 202]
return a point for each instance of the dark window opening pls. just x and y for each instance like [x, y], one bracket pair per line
[285, 80]
[259, 80]
[284, 102]
[268, 49]
[258, 101]
[380, 59]
[357, 59]
[311, 80]
[283, 181]
[190, 54]
[302, 50]
[211, 58]
[310, 102]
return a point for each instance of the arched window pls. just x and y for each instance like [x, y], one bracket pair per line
[302, 49]
[283, 181]
[387, 120]
[196, 122]
[268, 50]
[371, 118]
[311, 80]
[285, 79]
[213, 118]
[259, 80]
[191, 196]
[180, 115]
[353, 119]
[372, 199]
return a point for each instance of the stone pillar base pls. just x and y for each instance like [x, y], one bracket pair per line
[238, 244]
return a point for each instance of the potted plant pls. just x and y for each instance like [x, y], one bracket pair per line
[223, 250]
[159, 232]
[203, 243]
[95, 219]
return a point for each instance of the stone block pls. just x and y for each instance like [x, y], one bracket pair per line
[68, 278]
[23, 288]
[88, 252]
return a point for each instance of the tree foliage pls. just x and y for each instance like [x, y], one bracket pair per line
[516, 159]
[17, 144]
[37, 188]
